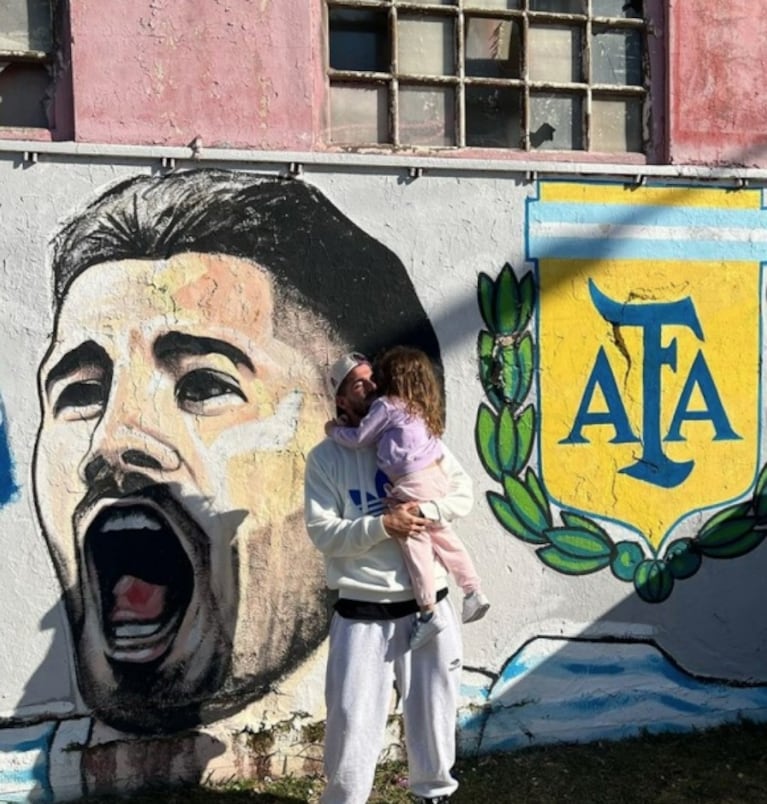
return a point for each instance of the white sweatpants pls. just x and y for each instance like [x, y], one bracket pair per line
[364, 659]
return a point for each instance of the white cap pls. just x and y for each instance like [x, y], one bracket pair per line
[341, 368]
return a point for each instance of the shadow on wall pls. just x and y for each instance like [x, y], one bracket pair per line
[64, 759]
[684, 650]
[691, 662]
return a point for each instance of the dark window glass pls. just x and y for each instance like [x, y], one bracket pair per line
[359, 40]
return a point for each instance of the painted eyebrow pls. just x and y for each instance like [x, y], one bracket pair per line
[88, 353]
[173, 345]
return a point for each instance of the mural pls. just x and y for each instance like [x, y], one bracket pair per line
[602, 351]
[181, 390]
[637, 414]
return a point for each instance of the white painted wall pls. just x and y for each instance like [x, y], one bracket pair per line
[709, 634]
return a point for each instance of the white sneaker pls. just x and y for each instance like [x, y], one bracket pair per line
[426, 630]
[475, 606]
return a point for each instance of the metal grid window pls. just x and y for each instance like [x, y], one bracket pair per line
[26, 50]
[567, 75]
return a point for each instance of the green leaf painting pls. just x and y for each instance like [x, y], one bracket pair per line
[505, 431]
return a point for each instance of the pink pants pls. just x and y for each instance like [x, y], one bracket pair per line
[419, 549]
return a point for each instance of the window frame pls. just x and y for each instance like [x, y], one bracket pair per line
[650, 93]
[59, 124]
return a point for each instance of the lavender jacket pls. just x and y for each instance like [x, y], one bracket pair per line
[403, 442]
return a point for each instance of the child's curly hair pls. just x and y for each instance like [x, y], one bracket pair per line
[408, 374]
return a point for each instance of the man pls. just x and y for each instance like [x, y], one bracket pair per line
[180, 393]
[375, 611]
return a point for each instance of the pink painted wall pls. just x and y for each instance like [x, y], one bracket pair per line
[238, 73]
[251, 74]
[718, 101]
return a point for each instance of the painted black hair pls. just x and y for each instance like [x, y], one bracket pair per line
[317, 256]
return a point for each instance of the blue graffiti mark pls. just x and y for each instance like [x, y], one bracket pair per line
[8, 487]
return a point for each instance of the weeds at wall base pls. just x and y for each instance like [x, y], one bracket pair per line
[726, 765]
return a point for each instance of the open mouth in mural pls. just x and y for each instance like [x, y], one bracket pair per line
[144, 578]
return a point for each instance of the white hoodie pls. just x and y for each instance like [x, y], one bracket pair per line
[344, 492]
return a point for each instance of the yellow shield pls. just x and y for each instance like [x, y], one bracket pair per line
[649, 348]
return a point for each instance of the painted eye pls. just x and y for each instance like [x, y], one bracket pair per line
[83, 399]
[206, 392]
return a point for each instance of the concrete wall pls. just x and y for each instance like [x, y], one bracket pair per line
[716, 98]
[235, 74]
[602, 347]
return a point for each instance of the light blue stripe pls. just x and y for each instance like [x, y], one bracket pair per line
[712, 217]
[573, 248]
[26, 767]
[572, 689]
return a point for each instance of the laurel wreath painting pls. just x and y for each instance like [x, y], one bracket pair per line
[505, 434]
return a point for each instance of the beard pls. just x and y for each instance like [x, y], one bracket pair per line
[356, 409]
[238, 619]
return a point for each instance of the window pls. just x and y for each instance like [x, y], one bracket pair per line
[525, 74]
[26, 45]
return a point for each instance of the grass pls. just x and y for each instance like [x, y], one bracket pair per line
[726, 765]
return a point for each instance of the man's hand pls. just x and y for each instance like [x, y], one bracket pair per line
[403, 519]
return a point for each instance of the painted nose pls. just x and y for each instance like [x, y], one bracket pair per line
[133, 448]
[129, 438]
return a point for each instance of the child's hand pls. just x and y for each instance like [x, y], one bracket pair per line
[330, 426]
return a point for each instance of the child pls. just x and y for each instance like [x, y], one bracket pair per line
[405, 423]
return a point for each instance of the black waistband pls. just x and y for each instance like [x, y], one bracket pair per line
[365, 610]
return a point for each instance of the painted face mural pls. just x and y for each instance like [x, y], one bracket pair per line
[181, 391]
[176, 436]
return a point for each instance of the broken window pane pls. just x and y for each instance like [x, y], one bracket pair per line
[493, 117]
[556, 122]
[616, 57]
[426, 45]
[616, 125]
[359, 40]
[427, 115]
[358, 114]
[554, 54]
[492, 48]
[26, 25]
[629, 9]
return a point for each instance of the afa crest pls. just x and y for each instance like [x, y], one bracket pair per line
[623, 381]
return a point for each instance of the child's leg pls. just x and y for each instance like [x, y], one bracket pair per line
[453, 554]
[419, 557]
[431, 484]
[419, 560]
